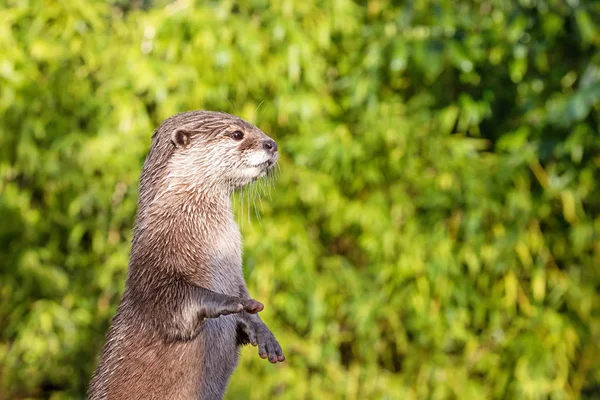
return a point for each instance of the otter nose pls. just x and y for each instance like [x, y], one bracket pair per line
[270, 145]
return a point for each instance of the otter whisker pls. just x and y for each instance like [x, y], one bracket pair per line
[248, 206]
[240, 215]
[271, 182]
[234, 108]
[256, 111]
[256, 195]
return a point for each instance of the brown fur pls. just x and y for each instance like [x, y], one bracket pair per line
[186, 308]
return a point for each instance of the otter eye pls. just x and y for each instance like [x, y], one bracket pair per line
[237, 135]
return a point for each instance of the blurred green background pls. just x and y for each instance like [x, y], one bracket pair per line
[433, 232]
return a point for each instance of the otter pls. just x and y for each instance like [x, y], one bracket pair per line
[186, 310]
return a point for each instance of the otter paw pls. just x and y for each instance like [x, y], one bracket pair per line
[252, 306]
[268, 347]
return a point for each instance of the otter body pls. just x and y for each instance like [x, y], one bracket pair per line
[186, 308]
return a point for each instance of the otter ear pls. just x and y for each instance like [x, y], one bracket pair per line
[181, 138]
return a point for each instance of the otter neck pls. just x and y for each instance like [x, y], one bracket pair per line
[178, 214]
[200, 208]
[188, 233]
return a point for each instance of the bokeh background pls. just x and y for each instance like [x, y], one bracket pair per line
[433, 232]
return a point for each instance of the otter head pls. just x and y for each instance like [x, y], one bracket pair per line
[214, 152]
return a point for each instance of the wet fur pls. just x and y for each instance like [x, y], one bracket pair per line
[186, 254]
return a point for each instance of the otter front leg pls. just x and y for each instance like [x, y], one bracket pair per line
[212, 304]
[199, 304]
[251, 329]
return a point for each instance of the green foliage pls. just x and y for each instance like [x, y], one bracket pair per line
[434, 230]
